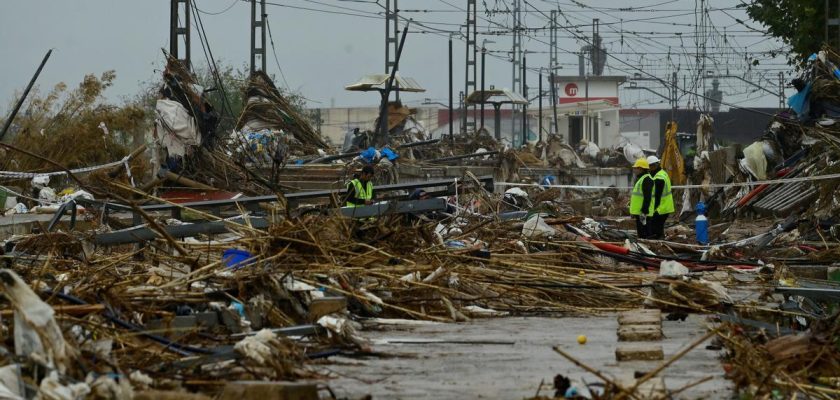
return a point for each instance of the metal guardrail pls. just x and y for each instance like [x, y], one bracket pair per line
[141, 233]
[832, 295]
[252, 203]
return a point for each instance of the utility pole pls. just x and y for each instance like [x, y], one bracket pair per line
[451, 121]
[257, 23]
[462, 110]
[179, 29]
[470, 56]
[552, 50]
[392, 34]
[524, 106]
[552, 64]
[781, 90]
[539, 104]
[588, 117]
[700, 38]
[517, 58]
[483, 69]
[554, 101]
[597, 56]
[381, 135]
[674, 96]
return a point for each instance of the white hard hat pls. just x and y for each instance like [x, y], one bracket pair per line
[653, 160]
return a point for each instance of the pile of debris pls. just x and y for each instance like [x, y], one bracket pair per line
[798, 146]
[268, 134]
[270, 129]
[215, 309]
[764, 363]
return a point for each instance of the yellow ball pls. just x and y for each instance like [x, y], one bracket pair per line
[582, 272]
[581, 339]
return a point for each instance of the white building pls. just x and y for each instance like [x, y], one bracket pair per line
[587, 108]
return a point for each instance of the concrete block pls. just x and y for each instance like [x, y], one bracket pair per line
[184, 323]
[641, 317]
[231, 320]
[326, 305]
[258, 390]
[639, 352]
[207, 319]
[639, 333]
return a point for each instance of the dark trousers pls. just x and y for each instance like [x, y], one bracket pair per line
[656, 226]
[642, 231]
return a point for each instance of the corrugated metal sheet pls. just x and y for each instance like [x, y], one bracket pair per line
[781, 199]
[378, 82]
[785, 198]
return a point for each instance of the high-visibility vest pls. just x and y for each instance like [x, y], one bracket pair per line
[637, 198]
[666, 202]
[362, 193]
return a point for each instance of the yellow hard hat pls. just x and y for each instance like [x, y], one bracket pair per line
[641, 163]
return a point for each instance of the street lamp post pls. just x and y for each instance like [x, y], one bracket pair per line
[483, 69]
[483, 64]
[451, 122]
[553, 92]
[539, 104]
[524, 106]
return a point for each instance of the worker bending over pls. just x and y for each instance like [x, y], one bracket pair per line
[663, 201]
[360, 190]
[640, 199]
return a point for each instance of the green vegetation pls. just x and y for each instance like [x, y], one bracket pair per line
[798, 23]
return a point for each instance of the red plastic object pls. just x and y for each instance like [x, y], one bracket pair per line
[610, 247]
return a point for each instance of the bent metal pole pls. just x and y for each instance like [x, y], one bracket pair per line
[11, 117]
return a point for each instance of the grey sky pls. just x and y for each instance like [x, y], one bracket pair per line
[321, 51]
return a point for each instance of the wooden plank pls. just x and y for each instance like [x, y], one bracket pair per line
[74, 310]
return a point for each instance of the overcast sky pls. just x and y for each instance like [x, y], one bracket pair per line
[326, 44]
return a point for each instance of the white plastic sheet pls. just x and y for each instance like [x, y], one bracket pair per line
[536, 227]
[176, 127]
[672, 269]
[36, 334]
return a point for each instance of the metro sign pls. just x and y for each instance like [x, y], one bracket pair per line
[571, 89]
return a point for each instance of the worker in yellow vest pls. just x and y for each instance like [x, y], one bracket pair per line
[641, 207]
[663, 200]
[360, 190]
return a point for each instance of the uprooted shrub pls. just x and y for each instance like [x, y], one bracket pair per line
[75, 128]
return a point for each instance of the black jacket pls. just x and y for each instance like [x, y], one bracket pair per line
[658, 188]
[647, 190]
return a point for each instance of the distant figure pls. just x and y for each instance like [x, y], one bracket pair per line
[419, 194]
[640, 204]
[663, 201]
[360, 190]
